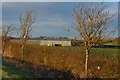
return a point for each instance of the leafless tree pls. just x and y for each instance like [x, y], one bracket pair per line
[26, 23]
[92, 25]
[7, 30]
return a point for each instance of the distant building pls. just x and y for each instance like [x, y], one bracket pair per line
[48, 42]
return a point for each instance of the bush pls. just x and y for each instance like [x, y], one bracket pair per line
[68, 59]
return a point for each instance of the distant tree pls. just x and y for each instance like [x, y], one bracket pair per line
[7, 30]
[41, 36]
[63, 38]
[26, 23]
[92, 26]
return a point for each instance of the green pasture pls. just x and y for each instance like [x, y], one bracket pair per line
[94, 51]
[10, 72]
[105, 52]
[112, 43]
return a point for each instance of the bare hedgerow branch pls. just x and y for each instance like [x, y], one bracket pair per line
[26, 23]
[92, 25]
[92, 22]
[7, 30]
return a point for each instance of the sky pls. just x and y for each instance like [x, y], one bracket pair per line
[60, 0]
[52, 17]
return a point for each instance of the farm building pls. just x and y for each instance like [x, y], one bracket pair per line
[48, 42]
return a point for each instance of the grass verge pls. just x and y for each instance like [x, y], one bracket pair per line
[11, 72]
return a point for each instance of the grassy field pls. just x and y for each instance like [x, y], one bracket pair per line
[11, 72]
[112, 43]
[71, 59]
[105, 52]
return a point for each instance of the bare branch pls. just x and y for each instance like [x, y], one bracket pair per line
[92, 25]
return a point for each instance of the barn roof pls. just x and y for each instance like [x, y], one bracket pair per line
[45, 39]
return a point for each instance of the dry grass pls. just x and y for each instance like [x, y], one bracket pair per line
[69, 59]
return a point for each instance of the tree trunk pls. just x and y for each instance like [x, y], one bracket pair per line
[4, 43]
[86, 64]
[3, 47]
[23, 52]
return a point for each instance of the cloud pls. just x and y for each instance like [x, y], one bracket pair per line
[113, 8]
[0, 13]
[51, 23]
[60, 0]
[25, 4]
[51, 17]
[114, 12]
[52, 26]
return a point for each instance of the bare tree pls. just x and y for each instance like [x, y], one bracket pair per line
[26, 23]
[7, 30]
[92, 25]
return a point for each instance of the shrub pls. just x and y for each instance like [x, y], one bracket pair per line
[68, 59]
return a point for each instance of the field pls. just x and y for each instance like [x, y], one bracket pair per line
[64, 60]
[112, 43]
[11, 72]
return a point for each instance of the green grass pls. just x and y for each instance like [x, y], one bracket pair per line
[111, 43]
[93, 51]
[10, 72]
[105, 52]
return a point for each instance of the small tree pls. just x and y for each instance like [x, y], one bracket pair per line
[92, 26]
[26, 23]
[7, 30]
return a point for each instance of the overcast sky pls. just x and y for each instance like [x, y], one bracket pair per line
[60, 0]
[51, 16]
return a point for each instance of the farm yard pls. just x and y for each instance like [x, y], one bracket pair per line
[46, 61]
[71, 40]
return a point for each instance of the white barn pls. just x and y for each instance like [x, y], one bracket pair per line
[51, 42]
[48, 42]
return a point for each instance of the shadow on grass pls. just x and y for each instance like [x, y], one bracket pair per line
[15, 68]
[11, 72]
